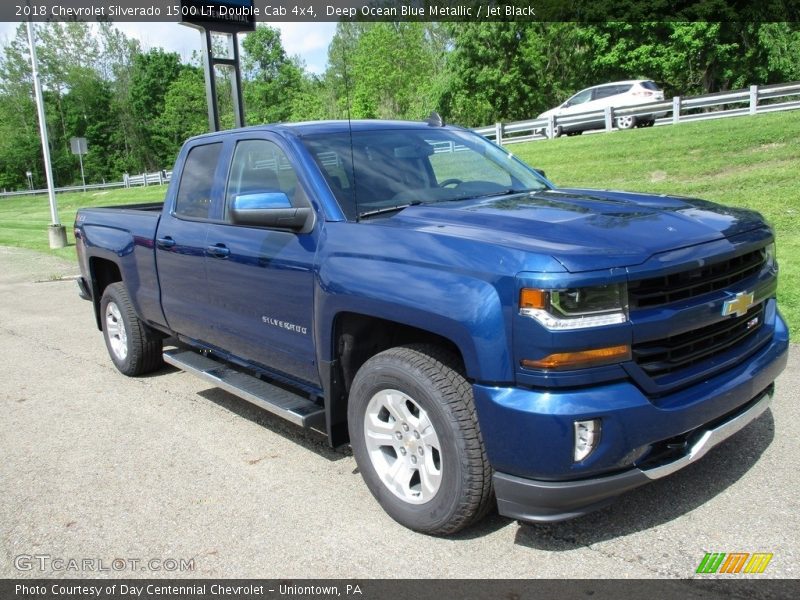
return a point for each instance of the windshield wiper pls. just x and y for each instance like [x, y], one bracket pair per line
[388, 209]
[505, 192]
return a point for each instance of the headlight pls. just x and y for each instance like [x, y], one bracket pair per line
[772, 260]
[576, 308]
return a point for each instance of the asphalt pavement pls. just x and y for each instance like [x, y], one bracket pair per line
[176, 478]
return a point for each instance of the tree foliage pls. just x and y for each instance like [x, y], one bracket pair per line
[136, 107]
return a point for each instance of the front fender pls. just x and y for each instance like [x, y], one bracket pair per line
[462, 308]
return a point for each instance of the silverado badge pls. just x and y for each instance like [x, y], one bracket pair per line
[738, 305]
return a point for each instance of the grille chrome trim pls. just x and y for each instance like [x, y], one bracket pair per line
[665, 289]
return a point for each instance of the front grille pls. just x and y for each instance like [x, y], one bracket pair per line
[670, 354]
[657, 291]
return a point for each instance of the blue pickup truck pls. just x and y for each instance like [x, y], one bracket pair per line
[478, 336]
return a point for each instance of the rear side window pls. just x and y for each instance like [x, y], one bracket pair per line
[605, 92]
[197, 180]
[650, 85]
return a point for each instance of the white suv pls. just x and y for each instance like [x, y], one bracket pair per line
[615, 95]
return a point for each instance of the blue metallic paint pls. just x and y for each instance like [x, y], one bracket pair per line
[456, 270]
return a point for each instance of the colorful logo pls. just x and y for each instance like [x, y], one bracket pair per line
[738, 305]
[734, 562]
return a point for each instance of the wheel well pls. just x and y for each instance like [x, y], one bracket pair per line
[356, 339]
[104, 273]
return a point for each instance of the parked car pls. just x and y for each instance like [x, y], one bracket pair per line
[614, 95]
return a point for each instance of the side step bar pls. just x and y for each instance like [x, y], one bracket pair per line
[297, 409]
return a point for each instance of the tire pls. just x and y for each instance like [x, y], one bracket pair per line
[416, 439]
[625, 122]
[134, 348]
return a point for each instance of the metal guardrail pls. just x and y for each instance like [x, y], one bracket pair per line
[143, 179]
[749, 101]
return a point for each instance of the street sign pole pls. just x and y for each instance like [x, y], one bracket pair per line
[83, 177]
[79, 147]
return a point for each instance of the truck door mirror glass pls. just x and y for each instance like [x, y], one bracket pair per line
[261, 201]
[268, 209]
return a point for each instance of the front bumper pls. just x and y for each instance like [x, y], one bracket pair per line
[528, 433]
[531, 500]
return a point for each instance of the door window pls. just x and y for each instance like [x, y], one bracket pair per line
[197, 181]
[580, 98]
[260, 166]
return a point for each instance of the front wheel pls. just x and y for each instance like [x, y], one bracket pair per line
[416, 439]
[135, 348]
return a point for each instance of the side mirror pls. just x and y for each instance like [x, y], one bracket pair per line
[268, 209]
[540, 172]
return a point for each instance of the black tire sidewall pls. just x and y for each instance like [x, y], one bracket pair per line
[111, 294]
[431, 516]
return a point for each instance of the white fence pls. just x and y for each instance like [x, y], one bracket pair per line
[143, 179]
[159, 178]
[755, 100]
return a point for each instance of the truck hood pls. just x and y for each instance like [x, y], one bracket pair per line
[583, 229]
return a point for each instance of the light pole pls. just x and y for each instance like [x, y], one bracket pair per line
[56, 231]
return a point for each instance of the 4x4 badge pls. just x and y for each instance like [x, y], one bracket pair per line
[738, 305]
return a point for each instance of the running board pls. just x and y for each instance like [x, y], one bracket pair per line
[297, 409]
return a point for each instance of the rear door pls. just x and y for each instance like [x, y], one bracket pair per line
[181, 241]
[260, 281]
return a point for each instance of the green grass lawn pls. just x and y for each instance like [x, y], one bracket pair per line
[752, 162]
[24, 219]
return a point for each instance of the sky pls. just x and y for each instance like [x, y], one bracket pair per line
[307, 40]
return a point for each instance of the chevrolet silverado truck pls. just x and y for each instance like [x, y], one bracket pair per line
[478, 335]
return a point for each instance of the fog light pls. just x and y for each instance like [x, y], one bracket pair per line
[587, 436]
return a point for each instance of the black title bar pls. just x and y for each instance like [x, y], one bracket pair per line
[586, 11]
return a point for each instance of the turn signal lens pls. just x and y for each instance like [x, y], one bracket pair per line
[580, 359]
[531, 298]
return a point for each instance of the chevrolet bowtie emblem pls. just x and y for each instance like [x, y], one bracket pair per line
[738, 305]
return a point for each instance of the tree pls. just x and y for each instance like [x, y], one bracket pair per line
[385, 70]
[508, 70]
[20, 149]
[185, 110]
[273, 80]
[153, 73]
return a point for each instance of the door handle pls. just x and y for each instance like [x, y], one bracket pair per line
[218, 251]
[165, 242]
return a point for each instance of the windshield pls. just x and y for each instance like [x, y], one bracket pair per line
[383, 170]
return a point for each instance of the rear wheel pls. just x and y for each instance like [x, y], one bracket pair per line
[135, 348]
[626, 122]
[416, 439]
